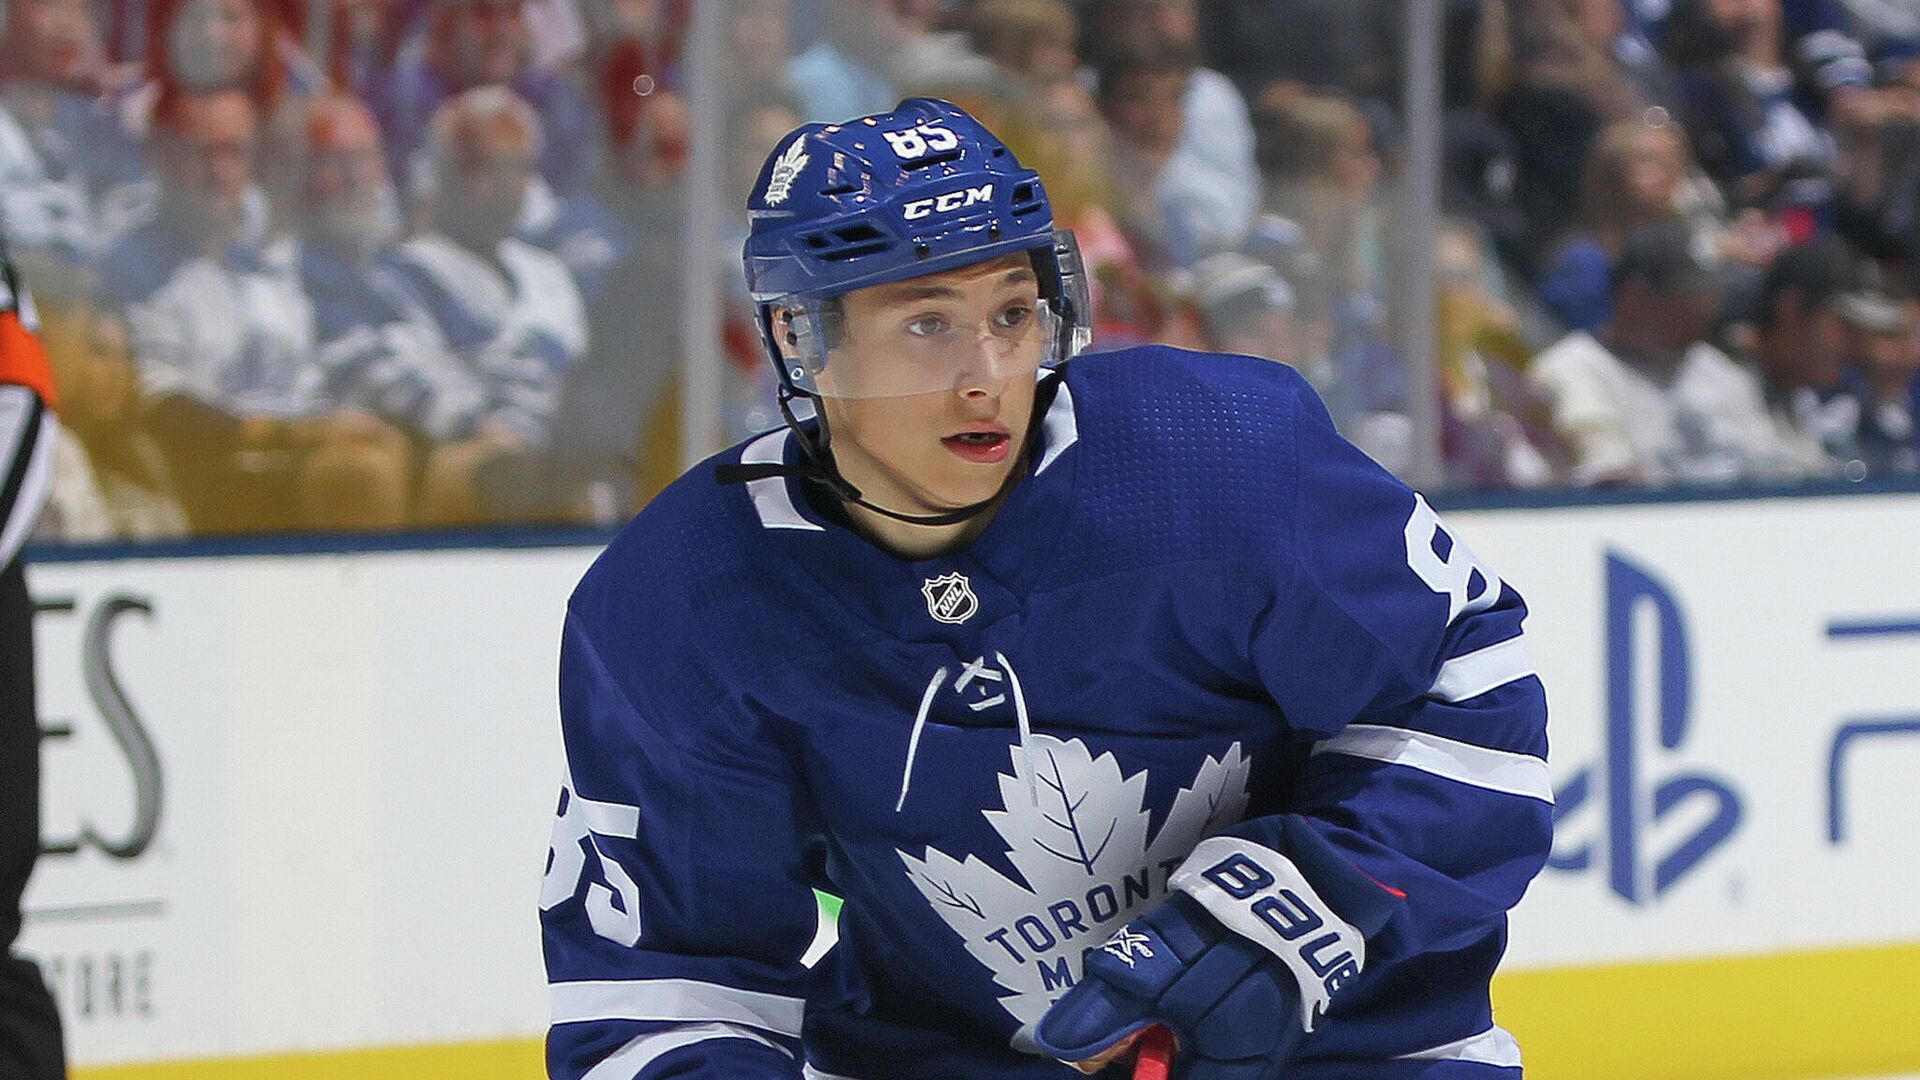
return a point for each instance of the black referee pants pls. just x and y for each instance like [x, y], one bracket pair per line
[30, 1046]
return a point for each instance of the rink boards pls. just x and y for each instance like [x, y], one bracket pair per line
[297, 800]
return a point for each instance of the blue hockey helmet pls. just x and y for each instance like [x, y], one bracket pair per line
[922, 189]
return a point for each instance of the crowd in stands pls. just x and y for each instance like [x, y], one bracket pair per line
[374, 264]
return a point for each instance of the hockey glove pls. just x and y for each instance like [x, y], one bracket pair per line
[1240, 961]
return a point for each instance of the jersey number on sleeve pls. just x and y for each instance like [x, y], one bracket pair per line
[581, 824]
[1452, 575]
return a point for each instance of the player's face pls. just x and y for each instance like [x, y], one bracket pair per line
[931, 451]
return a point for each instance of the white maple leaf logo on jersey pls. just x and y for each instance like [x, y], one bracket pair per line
[1086, 864]
[786, 169]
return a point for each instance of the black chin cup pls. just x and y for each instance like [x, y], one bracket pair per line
[819, 468]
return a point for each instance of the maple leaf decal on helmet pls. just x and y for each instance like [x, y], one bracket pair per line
[785, 171]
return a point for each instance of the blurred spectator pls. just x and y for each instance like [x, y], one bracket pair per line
[1029, 41]
[1633, 177]
[590, 240]
[223, 337]
[756, 49]
[1217, 129]
[1889, 32]
[935, 57]
[1274, 49]
[59, 146]
[127, 488]
[208, 45]
[1321, 173]
[1321, 178]
[476, 43]
[847, 71]
[1883, 381]
[1496, 429]
[1752, 127]
[1650, 401]
[1175, 204]
[616, 439]
[1062, 136]
[201, 47]
[1638, 174]
[378, 347]
[871, 53]
[1569, 69]
[558, 31]
[365, 37]
[510, 310]
[1246, 307]
[1801, 343]
[636, 51]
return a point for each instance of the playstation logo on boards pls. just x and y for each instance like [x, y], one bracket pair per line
[950, 598]
[1633, 802]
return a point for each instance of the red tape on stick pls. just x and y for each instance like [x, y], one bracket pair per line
[1155, 1058]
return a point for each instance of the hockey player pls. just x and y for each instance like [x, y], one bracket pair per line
[30, 1042]
[1110, 694]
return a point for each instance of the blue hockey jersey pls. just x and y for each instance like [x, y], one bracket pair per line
[1200, 611]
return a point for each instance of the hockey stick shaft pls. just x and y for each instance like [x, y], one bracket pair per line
[1154, 1057]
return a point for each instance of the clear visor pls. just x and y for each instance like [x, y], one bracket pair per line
[943, 333]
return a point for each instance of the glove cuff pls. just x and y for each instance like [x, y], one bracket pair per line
[1265, 897]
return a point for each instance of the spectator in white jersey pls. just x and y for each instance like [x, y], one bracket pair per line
[223, 336]
[511, 311]
[379, 347]
[59, 146]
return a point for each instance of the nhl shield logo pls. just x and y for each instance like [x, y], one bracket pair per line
[950, 598]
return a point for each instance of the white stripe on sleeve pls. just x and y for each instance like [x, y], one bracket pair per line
[1482, 670]
[1495, 770]
[626, 1062]
[677, 1000]
[1491, 1047]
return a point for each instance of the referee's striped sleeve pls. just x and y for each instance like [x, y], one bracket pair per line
[27, 436]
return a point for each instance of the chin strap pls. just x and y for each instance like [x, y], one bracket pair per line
[819, 468]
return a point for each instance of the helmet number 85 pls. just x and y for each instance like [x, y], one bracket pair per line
[921, 139]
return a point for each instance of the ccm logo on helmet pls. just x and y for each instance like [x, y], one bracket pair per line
[949, 202]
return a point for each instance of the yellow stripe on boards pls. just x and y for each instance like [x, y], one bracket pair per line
[1790, 1016]
[513, 1059]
